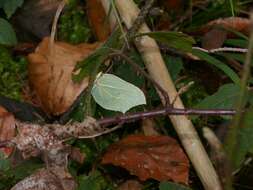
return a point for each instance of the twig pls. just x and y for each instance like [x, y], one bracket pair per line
[158, 71]
[182, 90]
[140, 18]
[138, 22]
[54, 25]
[112, 4]
[163, 111]
[90, 128]
[223, 49]
[139, 69]
[100, 133]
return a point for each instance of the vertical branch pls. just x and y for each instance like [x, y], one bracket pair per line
[232, 139]
[158, 71]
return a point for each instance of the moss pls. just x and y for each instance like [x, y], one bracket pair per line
[73, 25]
[13, 73]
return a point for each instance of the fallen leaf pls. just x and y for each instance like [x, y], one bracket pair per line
[156, 157]
[175, 5]
[238, 24]
[52, 80]
[7, 129]
[35, 17]
[98, 20]
[47, 179]
[214, 39]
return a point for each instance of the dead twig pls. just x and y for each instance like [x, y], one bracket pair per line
[91, 128]
[156, 67]
[142, 72]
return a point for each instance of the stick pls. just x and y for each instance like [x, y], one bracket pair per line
[127, 118]
[158, 71]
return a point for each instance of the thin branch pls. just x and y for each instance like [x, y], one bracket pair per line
[90, 128]
[223, 49]
[163, 111]
[140, 18]
[139, 69]
[116, 14]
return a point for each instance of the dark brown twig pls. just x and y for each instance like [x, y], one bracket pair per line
[142, 72]
[163, 111]
[138, 22]
[92, 128]
[141, 18]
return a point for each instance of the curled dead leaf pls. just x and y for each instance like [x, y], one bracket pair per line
[97, 19]
[7, 129]
[234, 23]
[50, 74]
[47, 179]
[156, 157]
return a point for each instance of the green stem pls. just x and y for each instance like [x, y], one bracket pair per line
[232, 7]
[233, 139]
[88, 97]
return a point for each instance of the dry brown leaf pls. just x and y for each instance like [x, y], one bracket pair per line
[214, 39]
[235, 23]
[7, 129]
[35, 17]
[174, 5]
[47, 179]
[77, 155]
[156, 157]
[97, 19]
[50, 74]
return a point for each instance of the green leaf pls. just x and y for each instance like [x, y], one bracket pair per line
[175, 40]
[126, 72]
[174, 64]
[10, 6]
[95, 181]
[88, 65]
[243, 43]
[236, 56]
[245, 138]
[4, 163]
[113, 93]
[172, 186]
[224, 98]
[7, 34]
[217, 63]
